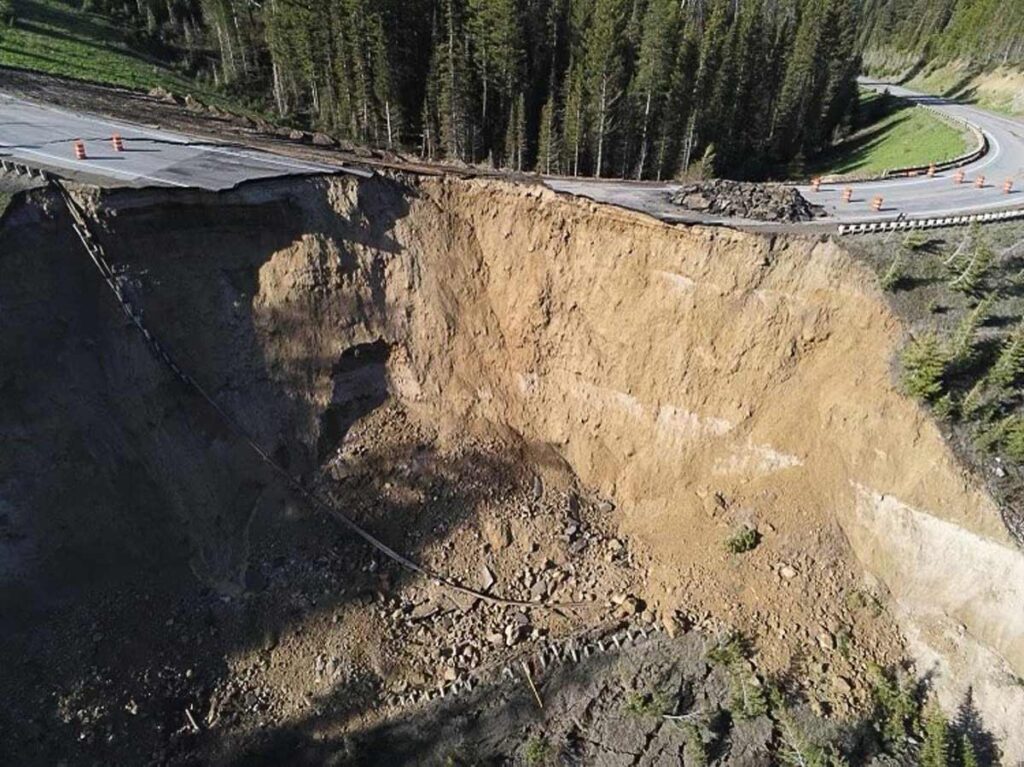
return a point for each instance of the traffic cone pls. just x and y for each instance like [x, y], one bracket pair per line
[80, 149]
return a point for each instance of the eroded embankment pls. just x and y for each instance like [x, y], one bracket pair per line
[704, 379]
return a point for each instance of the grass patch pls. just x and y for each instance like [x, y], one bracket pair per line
[59, 39]
[997, 90]
[894, 134]
[743, 540]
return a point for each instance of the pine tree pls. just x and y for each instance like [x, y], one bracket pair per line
[962, 345]
[548, 147]
[935, 748]
[638, 88]
[968, 754]
[604, 68]
[924, 363]
[574, 123]
[1009, 366]
[971, 279]
[653, 80]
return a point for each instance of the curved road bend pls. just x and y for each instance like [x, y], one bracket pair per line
[919, 197]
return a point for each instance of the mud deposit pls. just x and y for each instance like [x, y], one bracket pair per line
[544, 399]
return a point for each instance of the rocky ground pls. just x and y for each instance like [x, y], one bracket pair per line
[328, 637]
[334, 655]
[759, 202]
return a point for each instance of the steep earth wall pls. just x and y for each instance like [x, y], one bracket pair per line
[702, 378]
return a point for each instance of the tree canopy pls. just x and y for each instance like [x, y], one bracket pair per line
[645, 89]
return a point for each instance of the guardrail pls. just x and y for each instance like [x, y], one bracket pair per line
[930, 223]
[17, 168]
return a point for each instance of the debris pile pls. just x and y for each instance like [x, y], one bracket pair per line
[736, 199]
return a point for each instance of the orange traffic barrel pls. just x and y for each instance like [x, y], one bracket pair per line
[931, 170]
[979, 182]
[876, 203]
[1008, 186]
[958, 177]
[848, 194]
[816, 184]
[117, 143]
[79, 149]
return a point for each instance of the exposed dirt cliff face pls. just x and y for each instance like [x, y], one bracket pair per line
[700, 379]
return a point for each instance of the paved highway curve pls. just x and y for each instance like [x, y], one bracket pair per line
[919, 197]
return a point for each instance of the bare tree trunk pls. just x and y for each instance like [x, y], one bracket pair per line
[601, 127]
[576, 140]
[689, 141]
[279, 100]
[643, 139]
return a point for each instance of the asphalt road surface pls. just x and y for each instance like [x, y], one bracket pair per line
[43, 136]
[919, 197]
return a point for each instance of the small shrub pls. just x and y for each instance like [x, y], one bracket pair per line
[795, 747]
[748, 699]
[648, 704]
[537, 751]
[844, 642]
[893, 276]
[915, 240]
[862, 600]
[743, 540]
[696, 750]
[896, 709]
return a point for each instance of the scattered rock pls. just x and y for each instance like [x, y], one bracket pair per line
[164, 95]
[423, 611]
[787, 572]
[628, 605]
[497, 533]
[322, 139]
[538, 488]
[486, 578]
